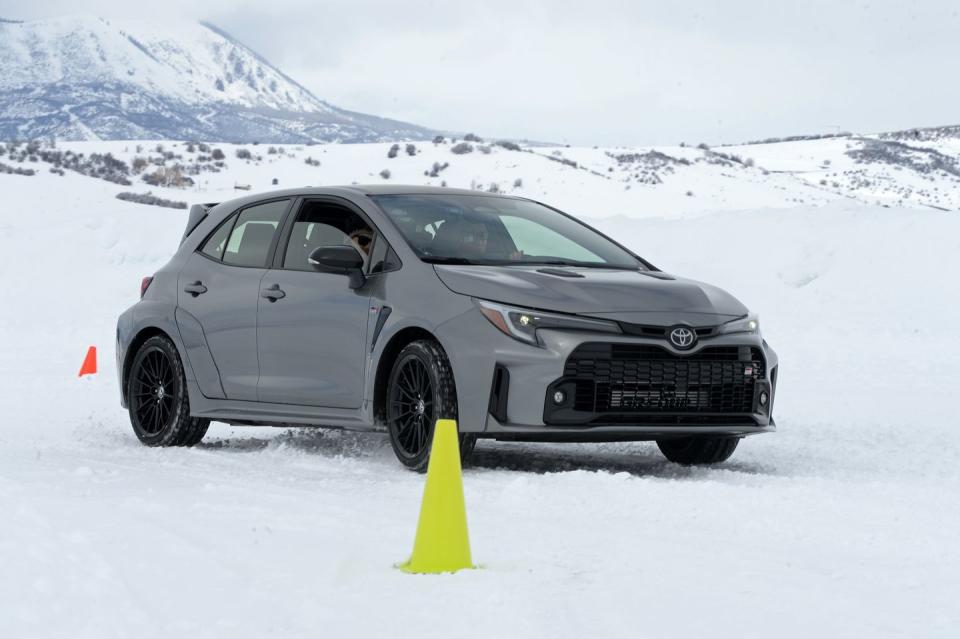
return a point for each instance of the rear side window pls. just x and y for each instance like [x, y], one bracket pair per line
[215, 244]
[250, 239]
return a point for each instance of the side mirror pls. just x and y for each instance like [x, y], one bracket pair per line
[341, 260]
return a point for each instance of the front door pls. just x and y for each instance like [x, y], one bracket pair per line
[312, 328]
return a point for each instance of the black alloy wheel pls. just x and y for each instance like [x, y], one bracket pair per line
[420, 391]
[412, 403]
[154, 391]
[157, 397]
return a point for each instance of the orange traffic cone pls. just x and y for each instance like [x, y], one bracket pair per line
[89, 366]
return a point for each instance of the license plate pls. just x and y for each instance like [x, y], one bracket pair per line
[663, 400]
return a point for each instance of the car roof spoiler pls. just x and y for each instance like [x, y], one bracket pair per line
[198, 213]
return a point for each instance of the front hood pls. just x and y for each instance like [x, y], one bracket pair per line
[638, 297]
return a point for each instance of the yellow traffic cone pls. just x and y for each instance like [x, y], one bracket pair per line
[442, 543]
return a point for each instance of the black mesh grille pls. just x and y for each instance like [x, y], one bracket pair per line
[631, 378]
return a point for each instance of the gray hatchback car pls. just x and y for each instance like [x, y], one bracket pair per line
[372, 307]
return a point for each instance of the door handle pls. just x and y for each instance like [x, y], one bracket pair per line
[197, 288]
[273, 293]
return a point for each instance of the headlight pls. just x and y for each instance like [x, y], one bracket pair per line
[522, 323]
[748, 324]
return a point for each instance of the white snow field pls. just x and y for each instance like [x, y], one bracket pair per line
[844, 523]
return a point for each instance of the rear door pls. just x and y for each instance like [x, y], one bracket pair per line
[312, 328]
[218, 292]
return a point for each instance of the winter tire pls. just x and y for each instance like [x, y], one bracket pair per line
[157, 397]
[420, 391]
[698, 449]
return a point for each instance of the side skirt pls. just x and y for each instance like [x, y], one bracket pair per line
[247, 413]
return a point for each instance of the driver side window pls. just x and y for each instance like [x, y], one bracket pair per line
[325, 224]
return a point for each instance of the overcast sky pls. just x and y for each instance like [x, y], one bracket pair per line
[601, 71]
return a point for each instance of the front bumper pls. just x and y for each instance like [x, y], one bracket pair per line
[615, 432]
[522, 380]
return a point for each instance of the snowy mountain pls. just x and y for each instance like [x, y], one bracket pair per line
[88, 78]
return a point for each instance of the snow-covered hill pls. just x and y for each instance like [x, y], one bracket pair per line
[885, 170]
[81, 77]
[841, 524]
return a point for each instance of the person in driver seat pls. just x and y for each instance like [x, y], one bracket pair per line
[362, 239]
[461, 239]
[473, 242]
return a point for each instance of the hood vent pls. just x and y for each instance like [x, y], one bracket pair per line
[658, 275]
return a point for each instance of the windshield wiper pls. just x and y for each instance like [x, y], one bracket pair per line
[445, 259]
[436, 259]
[580, 264]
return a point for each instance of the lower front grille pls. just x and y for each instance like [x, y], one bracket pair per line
[633, 379]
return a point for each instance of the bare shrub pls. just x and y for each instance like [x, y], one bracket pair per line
[149, 198]
[10, 170]
[168, 176]
[437, 168]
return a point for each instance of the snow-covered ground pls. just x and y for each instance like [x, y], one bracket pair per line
[842, 524]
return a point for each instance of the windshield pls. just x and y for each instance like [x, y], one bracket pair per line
[479, 229]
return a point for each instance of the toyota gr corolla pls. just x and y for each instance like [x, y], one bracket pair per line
[388, 308]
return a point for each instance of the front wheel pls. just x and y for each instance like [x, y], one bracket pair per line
[698, 449]
[157, 397]
[420, 391]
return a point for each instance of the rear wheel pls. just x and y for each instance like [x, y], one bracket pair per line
[157, 397]
[698, 449]
[421, 390]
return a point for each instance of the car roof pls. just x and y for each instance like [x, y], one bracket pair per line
[359, 189]
[409, 189]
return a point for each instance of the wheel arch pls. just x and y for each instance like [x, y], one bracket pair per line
[388, 356]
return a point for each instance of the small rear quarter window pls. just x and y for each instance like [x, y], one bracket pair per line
[217, 241]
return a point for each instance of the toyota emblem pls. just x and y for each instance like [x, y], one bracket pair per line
[682, 337]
